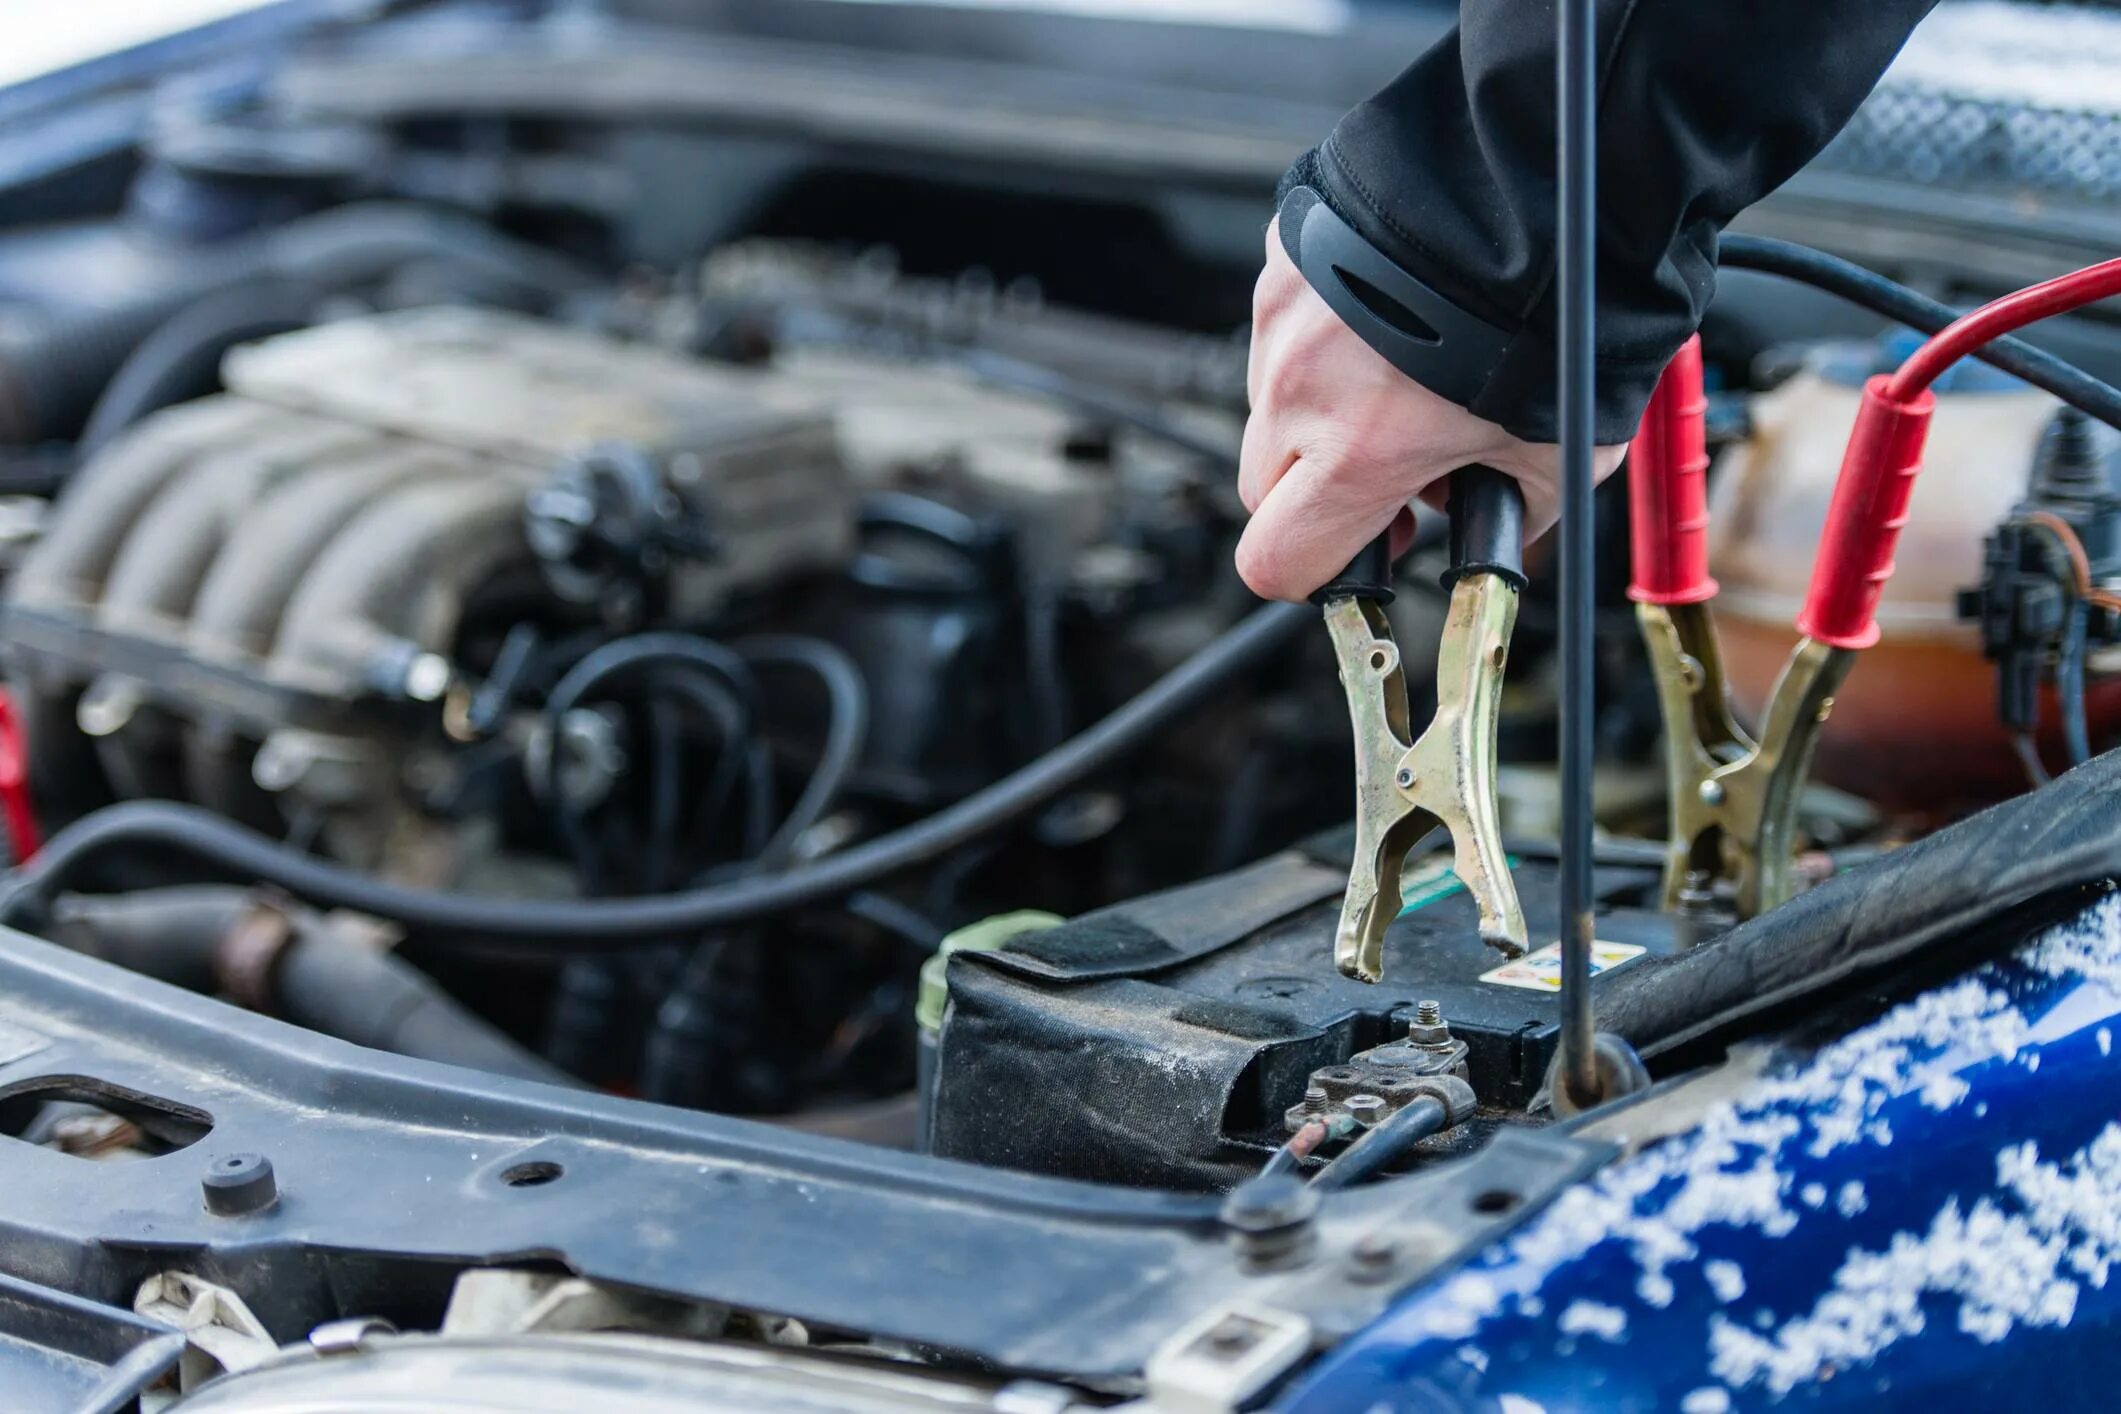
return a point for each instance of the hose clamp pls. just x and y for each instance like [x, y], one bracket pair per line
[247, 956]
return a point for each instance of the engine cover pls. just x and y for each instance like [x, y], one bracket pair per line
[296, 562]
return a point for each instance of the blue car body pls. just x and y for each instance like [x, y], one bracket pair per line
[1926, 1212]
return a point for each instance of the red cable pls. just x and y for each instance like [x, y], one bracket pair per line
[1884, 456]
[2003, 316]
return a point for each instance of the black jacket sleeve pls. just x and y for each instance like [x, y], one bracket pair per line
[1705, 106]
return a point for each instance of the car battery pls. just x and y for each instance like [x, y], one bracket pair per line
[1165, 1041]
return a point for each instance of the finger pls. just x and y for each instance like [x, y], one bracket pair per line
[1277, 287]
[1263, 306]
[1263, 459]
[1404, 525]
[1307, 530]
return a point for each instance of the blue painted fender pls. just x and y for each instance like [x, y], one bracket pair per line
[1924, 1213]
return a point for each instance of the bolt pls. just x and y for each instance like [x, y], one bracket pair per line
[238, 1184]
[1367, 1109]
[1426, 1027]
[1373, 1257]
[1405, 778]
[1711, 792]
[1269, 1219]
[1697, 893]
[1315, 1100]
[1234, 1336]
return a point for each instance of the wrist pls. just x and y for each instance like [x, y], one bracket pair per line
[1439, 344]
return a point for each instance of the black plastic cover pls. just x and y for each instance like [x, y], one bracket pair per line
[1159, 1042]
[1133, 1046]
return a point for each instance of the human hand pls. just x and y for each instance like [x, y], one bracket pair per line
[1340, 443]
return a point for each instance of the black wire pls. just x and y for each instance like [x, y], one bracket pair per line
[732, 761]
[2069, 683]
[1044, 608]
[846, 731]
[2028, 751]
[665, 805]
[1382, 1145]
[1576, 72]
[901, 920]
[650, 650]
[181, 359]
[1874, 292]
[728, 681]
[606, 925]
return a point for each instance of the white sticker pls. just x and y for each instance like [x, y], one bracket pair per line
[1541, 971]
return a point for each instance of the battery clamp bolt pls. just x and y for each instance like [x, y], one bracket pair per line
[1270, 1221]
[1426, 1027]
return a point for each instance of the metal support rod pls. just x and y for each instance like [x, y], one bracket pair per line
[1576, 80]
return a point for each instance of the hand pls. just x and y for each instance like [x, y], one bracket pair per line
[1340, 443]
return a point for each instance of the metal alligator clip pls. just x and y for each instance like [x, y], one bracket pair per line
[1405, 787]
[1734, 797]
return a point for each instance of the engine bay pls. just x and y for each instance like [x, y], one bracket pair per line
[633, 758]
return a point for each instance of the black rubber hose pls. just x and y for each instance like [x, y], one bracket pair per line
[2069, 684]
[666, 805]
[1381, 1147]
[742, 760]
[167, 934]
[846, 731]
[1895, 301]
[901, 920]
[602, 925]
[321, 980]
[181, 359]
[681, 1037]
[601, 668]
[378, 1000]
[51, 372]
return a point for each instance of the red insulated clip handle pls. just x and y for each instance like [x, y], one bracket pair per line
[1668, 488]
[1863, 523]
[15, 811]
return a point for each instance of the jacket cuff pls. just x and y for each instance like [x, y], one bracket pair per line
[1519, 386]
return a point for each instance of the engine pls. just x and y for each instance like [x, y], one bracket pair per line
[671, 589]
[562, 555]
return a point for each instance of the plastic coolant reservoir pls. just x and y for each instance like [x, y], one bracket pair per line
[1915, 729]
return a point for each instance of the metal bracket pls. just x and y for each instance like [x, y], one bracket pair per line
[1221, 1361]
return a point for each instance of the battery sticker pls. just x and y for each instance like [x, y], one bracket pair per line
[1433, 879]
[1541, 971]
